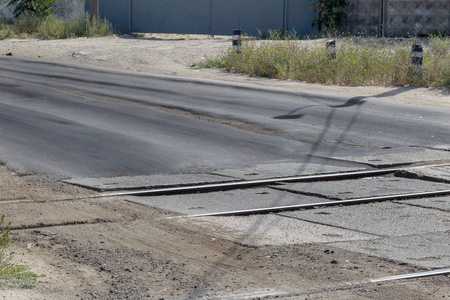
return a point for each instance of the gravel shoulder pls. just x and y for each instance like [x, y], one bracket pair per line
[111, 249]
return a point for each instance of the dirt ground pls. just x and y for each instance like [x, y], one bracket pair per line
[106, 248]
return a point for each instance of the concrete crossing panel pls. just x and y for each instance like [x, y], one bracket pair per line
[192, 204]
[429, 250]
[364, 187]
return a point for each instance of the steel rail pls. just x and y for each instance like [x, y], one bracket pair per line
[412, 275]
[279, 209]
[260, 182]
[356, 284]
[235, 184]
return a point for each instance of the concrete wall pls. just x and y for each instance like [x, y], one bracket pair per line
[397, 17]
[416, 17]
[68, 8]
[5, 12]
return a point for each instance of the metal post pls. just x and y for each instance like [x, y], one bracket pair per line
[130, 15]
[417, 58]
[210, 18]
[285, 17]
[382, 18]
[94, 8]
[237, 40]
[331, 48]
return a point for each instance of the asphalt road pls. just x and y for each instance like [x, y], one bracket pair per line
[80, 121]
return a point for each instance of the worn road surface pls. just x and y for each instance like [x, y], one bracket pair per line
[92, 122]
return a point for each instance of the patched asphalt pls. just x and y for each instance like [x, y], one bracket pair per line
[429, 251]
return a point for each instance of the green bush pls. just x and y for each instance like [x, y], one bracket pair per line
[40, 8]
[54, 27]
[437, 62]
[359, 62]
[328, 14]
[6, 31]
[27, 23]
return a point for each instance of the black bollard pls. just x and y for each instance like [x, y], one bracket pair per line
[331, 47]
[417, 58]
[237, 40]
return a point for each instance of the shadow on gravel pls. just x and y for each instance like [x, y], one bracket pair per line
[397, 91]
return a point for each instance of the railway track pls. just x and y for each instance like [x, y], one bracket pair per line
[275, 183]
[282, 185]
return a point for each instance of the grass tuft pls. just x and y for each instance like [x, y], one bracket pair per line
[26, 23]
[11, 274]
[54, 27]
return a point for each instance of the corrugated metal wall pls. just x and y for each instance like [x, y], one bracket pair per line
[171, 16]
[207, 16]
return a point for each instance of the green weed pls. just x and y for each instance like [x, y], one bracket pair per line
[54, 27]
[11, 274]
[26, 23]
[359, 61]
[209, 63]
[6, 31]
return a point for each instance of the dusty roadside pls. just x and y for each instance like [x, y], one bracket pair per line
[111, 249]
[174, 54]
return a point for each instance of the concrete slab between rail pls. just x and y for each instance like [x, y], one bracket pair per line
[436, 173]
[401, 156]
[276, 170]
[383, 219]
[363, 187]
[192, 204]
[441, 203]
[272, 229]
[146, 182]
[428, 250]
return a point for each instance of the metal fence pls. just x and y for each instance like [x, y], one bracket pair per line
[207, 16]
